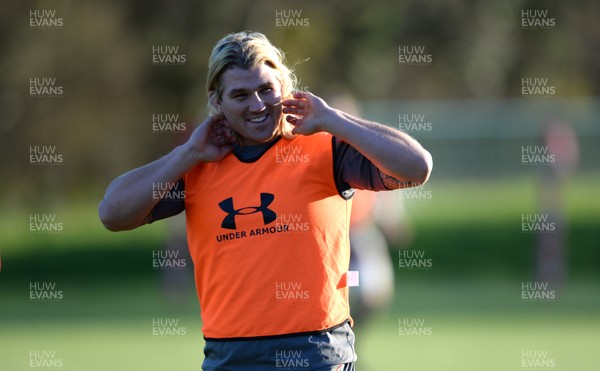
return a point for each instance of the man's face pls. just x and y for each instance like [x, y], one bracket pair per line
[251, 103]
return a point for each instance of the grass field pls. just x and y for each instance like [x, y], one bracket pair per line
[469, 303]
[473, 326]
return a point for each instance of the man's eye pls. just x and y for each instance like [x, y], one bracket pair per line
[239, 96]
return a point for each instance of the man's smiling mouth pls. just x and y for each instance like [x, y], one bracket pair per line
[258, 119]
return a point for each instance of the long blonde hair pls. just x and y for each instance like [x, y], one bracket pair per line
[248, 49]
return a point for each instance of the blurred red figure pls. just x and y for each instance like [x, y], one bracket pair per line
[378, 222]
[551, 261]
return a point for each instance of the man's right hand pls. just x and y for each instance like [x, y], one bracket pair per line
[212, 140]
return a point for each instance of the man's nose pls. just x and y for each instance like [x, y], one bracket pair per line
[256, 103]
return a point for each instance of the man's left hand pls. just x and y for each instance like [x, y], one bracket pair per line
[308, 113]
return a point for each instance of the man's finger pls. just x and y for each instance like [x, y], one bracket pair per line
[223, 123]
[301, 94]
[294, 103]
[293, 111]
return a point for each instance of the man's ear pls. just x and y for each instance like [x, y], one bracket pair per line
[214, 101]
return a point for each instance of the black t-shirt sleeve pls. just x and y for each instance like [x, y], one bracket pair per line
[172, 204]
[352, 170]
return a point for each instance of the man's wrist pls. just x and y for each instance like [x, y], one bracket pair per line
[188, 154]
[333, 121]
[336, 123]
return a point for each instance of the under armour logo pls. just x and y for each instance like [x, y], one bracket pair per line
[265, 200]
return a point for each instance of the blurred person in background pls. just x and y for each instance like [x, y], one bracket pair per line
[551, 256]
[270, 296]
[378, 222]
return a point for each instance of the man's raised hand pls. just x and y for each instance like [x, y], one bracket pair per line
[308, 113]
[212, 139]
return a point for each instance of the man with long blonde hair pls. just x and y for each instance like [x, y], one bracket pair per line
[268, 181]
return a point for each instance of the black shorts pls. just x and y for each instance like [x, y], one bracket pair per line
[329, 350]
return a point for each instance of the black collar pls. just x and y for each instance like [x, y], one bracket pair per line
[252, 153]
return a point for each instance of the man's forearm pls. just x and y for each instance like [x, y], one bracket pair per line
[395, 153]
[130, 198]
